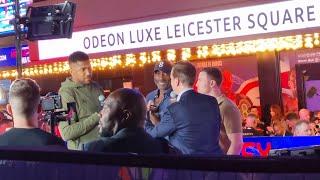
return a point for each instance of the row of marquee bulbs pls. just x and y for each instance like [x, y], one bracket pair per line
[200, 52]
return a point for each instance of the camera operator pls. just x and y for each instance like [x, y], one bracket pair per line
[79, 88]
[158, 100]
[24, 106]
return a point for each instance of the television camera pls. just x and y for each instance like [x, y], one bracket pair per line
[54, 113]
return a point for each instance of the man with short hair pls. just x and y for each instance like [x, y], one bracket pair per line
[291, 120]
[251, 125]
[193, 122]
[254, 110]
[24, 106]
[123, 116]
[209, 82]
[80, 88]
[158, 100]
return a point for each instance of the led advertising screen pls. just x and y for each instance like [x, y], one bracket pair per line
[7, 10]
[8, 56]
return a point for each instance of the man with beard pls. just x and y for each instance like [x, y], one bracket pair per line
[80, 89]
[158, 100]
[122, 117]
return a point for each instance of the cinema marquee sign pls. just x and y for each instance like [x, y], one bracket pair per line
[267, 18]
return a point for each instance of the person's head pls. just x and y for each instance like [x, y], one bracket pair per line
[209, 79]
[182, 76]
[302, 128]
[80, 67]
[24, 102]
[251, 120]
[254, 110]
[291, 119]
[275, 111]
[279, 128]
[304, 114]
[292, 82]
[123, 108]
[161, 75]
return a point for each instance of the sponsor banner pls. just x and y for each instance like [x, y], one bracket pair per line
[261, 146]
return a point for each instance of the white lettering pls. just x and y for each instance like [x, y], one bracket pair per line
[267, 18]
[3, 57]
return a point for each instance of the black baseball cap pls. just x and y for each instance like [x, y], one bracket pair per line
[163, 66]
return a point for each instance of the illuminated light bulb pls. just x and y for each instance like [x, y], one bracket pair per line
[104, 63]
[308, 41]
[130, 60]
[316, 42]
[171, 55]
[66, 68]
[156, 56]
[186, 54]
[223, 50]
[143, 57]
[202, 51]
[233, 52]
[309, 45]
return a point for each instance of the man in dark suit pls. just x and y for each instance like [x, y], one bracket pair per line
[193, 122]
[122, 119]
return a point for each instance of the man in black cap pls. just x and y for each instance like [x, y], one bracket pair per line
[159, 99]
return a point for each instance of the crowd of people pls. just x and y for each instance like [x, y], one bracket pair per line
[302, 123]
[173, 118]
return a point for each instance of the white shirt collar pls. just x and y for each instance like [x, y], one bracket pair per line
[183, 91]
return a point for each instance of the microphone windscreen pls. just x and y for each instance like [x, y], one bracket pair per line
[173, 95]
[101, 98]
